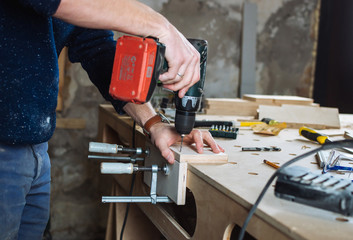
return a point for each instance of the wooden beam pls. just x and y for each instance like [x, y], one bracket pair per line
[71, 123]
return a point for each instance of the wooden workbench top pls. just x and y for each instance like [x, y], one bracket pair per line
[245, 174]
[243, 178]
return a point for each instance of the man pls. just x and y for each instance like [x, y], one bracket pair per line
[32, 34]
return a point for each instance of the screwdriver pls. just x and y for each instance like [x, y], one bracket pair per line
[312, 135]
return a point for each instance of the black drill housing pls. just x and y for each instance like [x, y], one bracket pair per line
[187, 106]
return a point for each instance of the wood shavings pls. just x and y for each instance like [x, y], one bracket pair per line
[341, 219]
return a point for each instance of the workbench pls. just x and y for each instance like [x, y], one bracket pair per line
[220, 195]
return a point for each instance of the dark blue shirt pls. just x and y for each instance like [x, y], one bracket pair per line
[30, 42]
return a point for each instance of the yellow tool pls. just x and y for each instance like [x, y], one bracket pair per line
[312, 135]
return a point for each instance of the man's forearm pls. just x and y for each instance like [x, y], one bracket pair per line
[127, 16]
[141, 113]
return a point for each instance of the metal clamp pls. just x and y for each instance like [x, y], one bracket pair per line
[128, 168]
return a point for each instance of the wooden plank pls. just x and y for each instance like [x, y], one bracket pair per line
[278, 99]
[190, 155]
[296, 115]
[71, 123]
[230, 106]
[248, 49]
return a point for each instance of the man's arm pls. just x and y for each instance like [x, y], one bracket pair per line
[135, 18]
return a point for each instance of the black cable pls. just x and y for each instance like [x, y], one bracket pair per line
[131, 187]
[127, 207]
[337, 144]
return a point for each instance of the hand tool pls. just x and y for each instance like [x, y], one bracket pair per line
[333, 161]
[128, 168]
[137, 65]
[299, 184]
[313, 135]
[187, 106]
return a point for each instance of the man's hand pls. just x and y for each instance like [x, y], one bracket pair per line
[164, 135]
[183, 62]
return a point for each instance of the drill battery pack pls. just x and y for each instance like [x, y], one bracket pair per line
[138, 62]
[299, 184]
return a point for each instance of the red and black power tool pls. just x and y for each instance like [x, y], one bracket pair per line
[137, 65]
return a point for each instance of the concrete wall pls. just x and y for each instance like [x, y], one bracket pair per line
[284, 66]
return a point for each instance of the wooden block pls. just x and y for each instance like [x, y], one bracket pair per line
[230, 106]
[278, 100]
[172, 185]
[297, 116]
[190, 155]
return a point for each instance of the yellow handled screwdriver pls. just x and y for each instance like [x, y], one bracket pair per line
[312, 135]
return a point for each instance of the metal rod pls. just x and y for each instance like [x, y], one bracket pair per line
[126, 159]
[134, 199]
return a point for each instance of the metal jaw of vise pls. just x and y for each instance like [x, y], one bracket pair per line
[128, 168]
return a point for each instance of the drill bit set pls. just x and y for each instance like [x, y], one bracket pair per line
[224, 131]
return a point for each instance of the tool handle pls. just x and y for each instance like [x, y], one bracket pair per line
[103, 147]
[312, 135]
[117, 168]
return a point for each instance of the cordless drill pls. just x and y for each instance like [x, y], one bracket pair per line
[187, 106]
[137, 65]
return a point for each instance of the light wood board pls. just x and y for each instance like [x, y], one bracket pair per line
[190, 155]
[297, 115]
[278, 99]
[230, 106]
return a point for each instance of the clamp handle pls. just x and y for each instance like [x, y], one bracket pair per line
[116, 168]
[104, 147]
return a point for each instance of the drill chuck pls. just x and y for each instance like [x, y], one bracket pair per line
[184, 121]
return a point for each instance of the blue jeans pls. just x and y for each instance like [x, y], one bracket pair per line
[24, 191]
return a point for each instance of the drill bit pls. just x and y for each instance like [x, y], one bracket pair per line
[181, 143]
